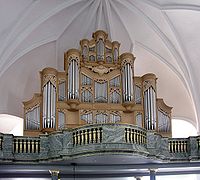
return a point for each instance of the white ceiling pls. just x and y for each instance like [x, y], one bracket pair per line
[163, 35]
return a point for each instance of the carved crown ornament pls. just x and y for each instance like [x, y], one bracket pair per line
[100, 69]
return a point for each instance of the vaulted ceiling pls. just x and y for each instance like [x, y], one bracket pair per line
[162, 34]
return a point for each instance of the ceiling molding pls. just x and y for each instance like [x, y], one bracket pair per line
[162, 59]
[13, 32]
[99, 16]
[160, 34]
[151, 3]
[90, 16]
[184, 119]
[179, 41]
[190, 84]
[185, 83]
[180, 7]
[29, 29]
[173, 6]
[45, 41]
[109, 18]
[74, 17]
[25, 51]
[123, 24]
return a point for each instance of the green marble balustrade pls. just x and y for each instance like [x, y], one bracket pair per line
[118, 139]
[1, 140]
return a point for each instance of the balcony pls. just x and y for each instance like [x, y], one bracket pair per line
[110, 140]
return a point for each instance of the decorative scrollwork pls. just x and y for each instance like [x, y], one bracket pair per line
[100, 69]
[49, 77]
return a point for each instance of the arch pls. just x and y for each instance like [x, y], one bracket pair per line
[182, 128]
[10, 124]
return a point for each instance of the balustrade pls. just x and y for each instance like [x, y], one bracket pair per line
[135, 136]
[101, 138]
[178, 146]
[1, 141]
[26, 145]
[198, 143]
[87, 136]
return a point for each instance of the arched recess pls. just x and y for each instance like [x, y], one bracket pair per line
[10, 124]
[182, 128]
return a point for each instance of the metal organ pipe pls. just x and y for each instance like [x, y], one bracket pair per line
[126, 83]
[73, 80]
[115, 55]
[123, 84]
[73, 76]
[129, 82]
[49, 105]
[52, 104]
[155, 109]
[150, 108]
[54, 107]
[77, 81]
[33, 118]
[127, 78]
[44, 105]
[100, 50]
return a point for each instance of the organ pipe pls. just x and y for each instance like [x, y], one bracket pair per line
[127, 83]
[49, 105]
[101, 92]
[100, 50]
[150, 108]
[33, 118]
[127, 61]
[115, 46]
[149, 86]
[115, 55]
[72, 63]
[49, 79]
[164, 116]
[73, 80]
[137, 94]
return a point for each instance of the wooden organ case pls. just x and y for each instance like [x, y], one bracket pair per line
[98, 86]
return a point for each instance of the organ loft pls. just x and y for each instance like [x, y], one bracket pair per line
[97, 86]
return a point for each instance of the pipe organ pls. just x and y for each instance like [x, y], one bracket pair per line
[97, 86]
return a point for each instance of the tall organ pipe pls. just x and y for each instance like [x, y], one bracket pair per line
[149, 87]
[72, 61]
[49, 78]
[127, 61]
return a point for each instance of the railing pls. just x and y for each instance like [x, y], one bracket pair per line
[98, 138]
[1, 141]
[135, 136]
[87, 136]
[198, 143]
[178, 145]
[26, 145]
